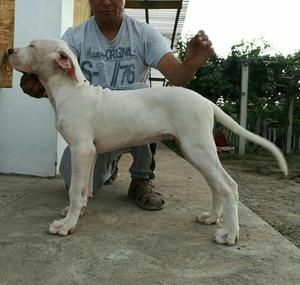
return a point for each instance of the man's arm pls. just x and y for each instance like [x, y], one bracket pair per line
[198, 50]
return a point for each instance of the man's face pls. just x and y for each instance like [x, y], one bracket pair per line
[107, 9]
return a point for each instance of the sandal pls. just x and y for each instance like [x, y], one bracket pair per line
[144, 195]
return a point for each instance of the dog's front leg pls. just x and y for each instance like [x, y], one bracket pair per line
[82, 156]
[65, 210]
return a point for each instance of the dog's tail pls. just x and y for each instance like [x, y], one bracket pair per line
[229, 123]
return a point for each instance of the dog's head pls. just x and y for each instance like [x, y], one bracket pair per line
[44, 58]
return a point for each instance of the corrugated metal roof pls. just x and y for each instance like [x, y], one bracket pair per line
[162, 19]
[167, 16]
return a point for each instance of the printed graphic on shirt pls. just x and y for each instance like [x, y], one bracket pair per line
[112, 68]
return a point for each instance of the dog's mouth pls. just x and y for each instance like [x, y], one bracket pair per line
[20, 69]
[23, 70]
[17, 65]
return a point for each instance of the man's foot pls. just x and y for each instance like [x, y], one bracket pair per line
[142, 191]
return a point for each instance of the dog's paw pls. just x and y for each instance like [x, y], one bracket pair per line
[207, 219]
[62, 227]
[223, 237]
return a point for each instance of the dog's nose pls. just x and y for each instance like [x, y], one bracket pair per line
[10, 51]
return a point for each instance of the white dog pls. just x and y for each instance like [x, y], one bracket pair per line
[95, 120]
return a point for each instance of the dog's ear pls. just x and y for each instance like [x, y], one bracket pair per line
[65, 61]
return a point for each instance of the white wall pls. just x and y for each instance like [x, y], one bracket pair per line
[29, 143]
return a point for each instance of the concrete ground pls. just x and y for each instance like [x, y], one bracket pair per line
[117, 243]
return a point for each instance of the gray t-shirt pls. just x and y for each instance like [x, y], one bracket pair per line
[121, 63]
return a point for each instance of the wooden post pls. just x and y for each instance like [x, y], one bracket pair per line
[290, 125]
[7, 14]
[244, 100]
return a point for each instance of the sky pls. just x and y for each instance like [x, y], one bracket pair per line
[227, 22]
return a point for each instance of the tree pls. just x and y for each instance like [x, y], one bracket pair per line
[274, 81]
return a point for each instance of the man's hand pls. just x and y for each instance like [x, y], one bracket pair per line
[31, 85]
[198, 50]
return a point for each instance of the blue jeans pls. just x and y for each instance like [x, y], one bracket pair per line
[106, 164]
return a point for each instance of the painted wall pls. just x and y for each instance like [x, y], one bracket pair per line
[29, 143]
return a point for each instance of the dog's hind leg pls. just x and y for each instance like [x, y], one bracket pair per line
[203, 156]
[82, 158]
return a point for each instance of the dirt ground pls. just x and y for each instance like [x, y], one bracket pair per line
[267, 193]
